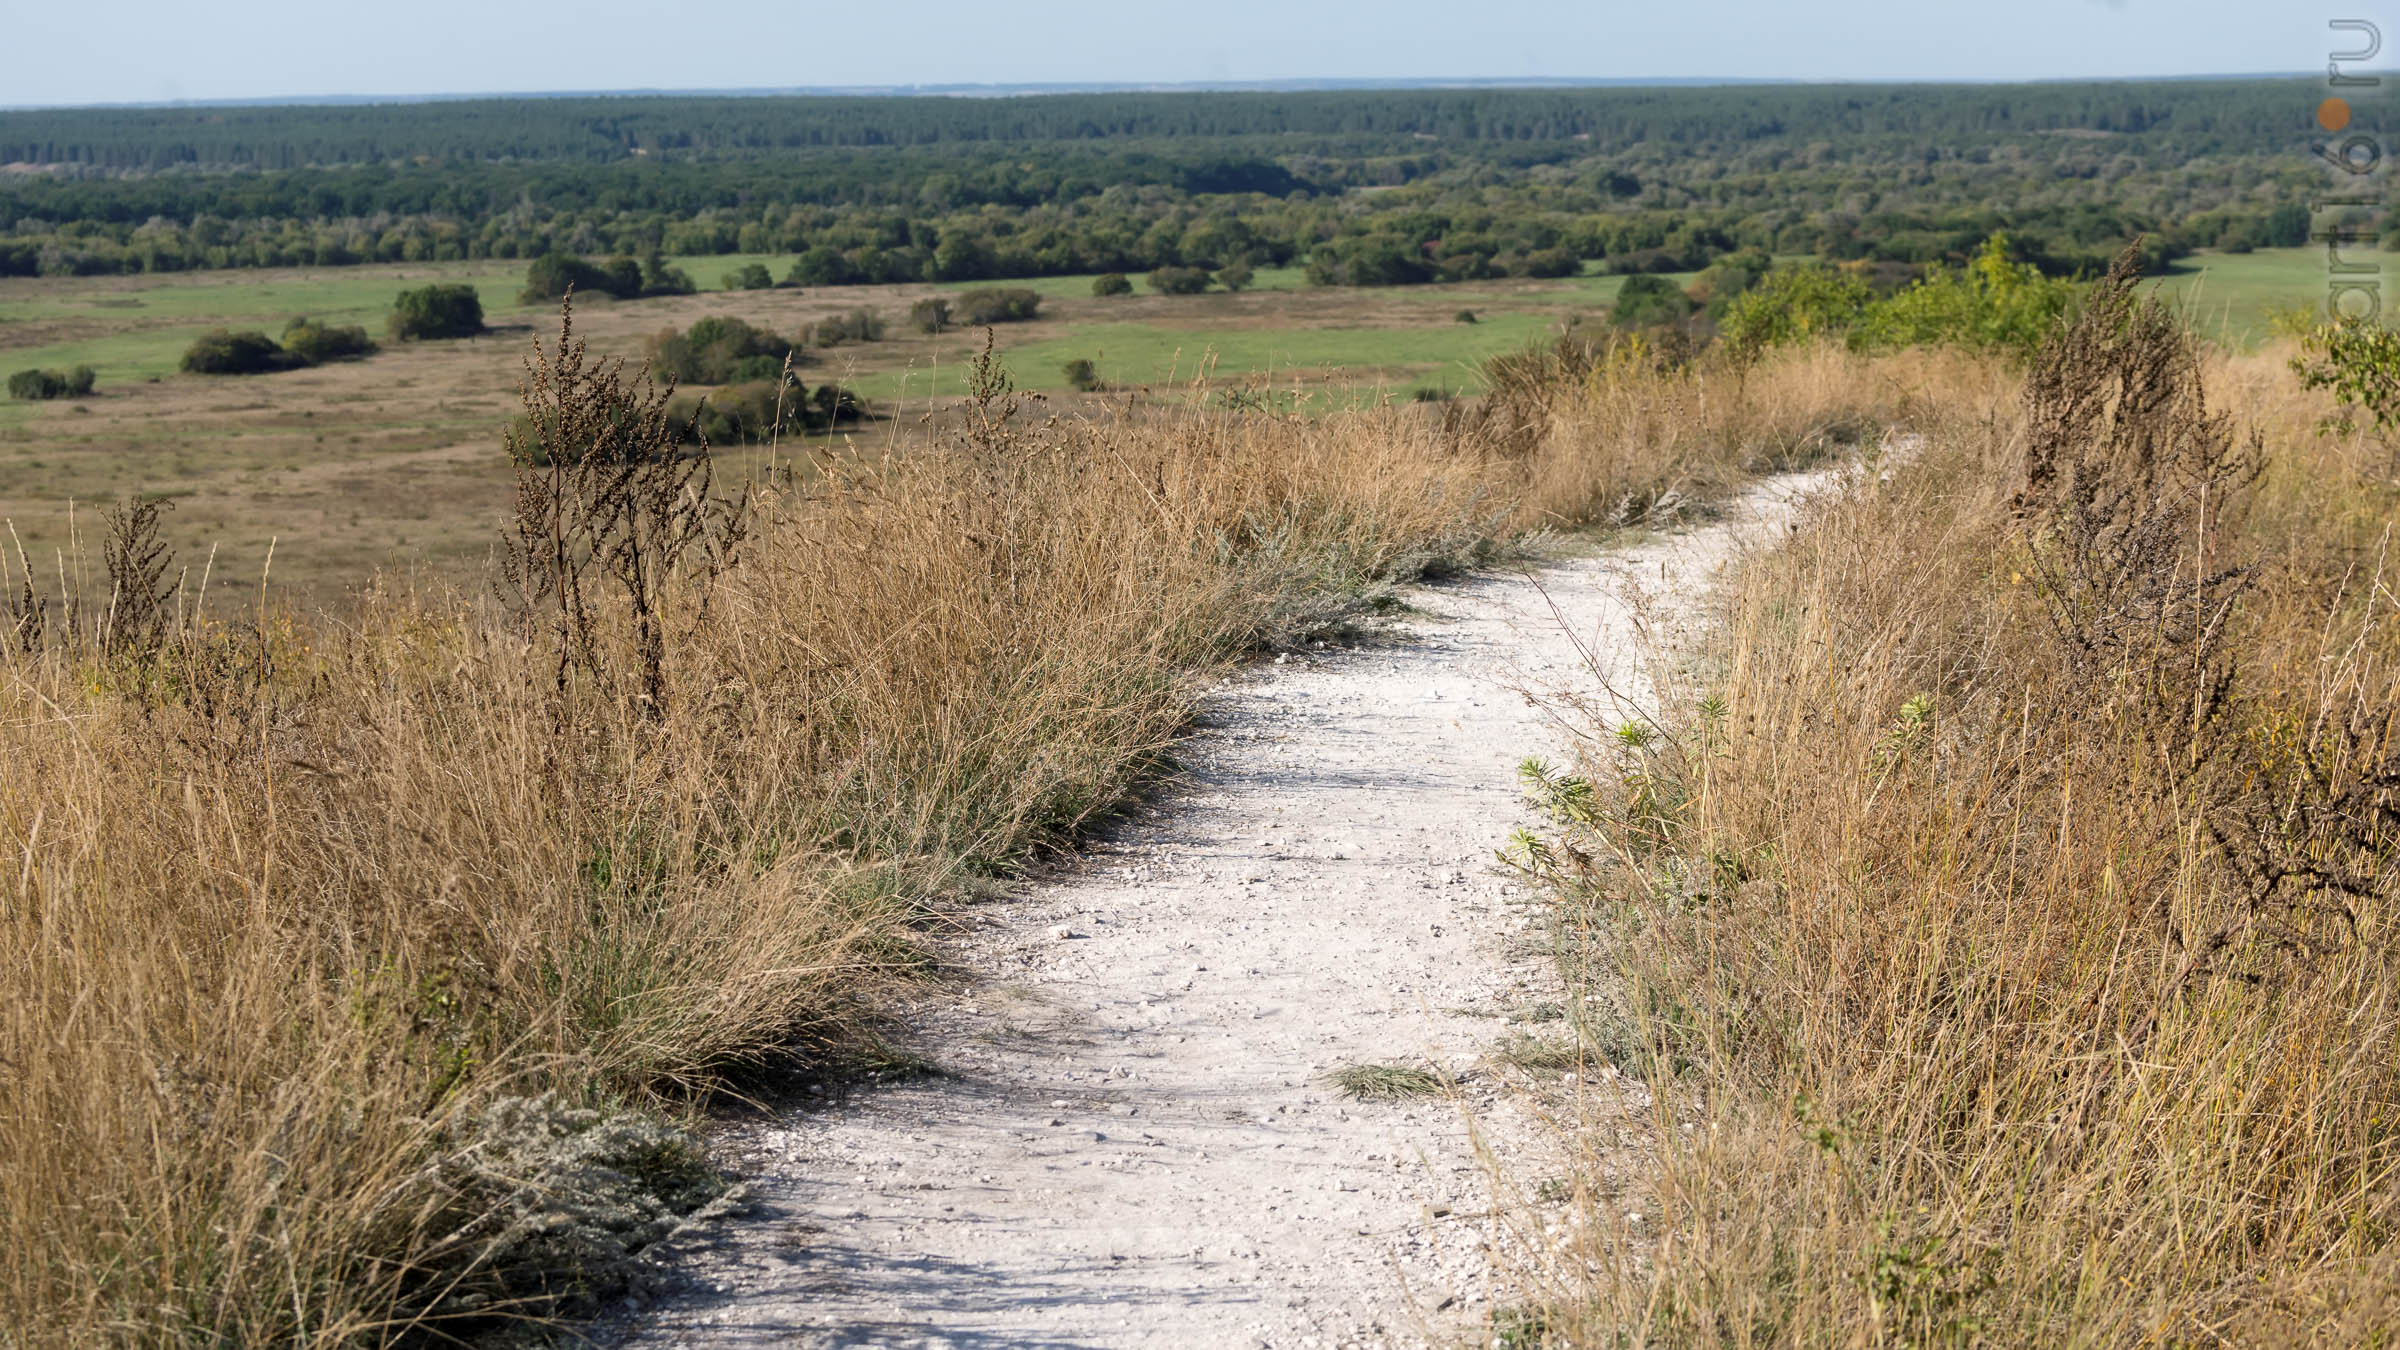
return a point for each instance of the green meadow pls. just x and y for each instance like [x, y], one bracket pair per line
[137, 327]
[1368, 358]
[2230, 298]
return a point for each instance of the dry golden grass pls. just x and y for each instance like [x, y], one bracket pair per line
[1965, 1027]
[339, 954]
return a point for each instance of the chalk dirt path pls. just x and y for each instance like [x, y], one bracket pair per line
[1133, 1145]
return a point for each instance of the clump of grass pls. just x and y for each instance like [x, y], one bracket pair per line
[1535, 1054]
[1384, 1082]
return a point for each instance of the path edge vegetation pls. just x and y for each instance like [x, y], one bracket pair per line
[1998, 904]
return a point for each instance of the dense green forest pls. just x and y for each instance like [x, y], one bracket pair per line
[2197, 116]
[1365, 186]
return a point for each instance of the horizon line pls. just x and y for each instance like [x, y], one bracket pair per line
[1026, 89]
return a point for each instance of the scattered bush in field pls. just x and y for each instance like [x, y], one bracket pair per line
[821, 266]
[45, 384]
[1721, 281]
[622, 278]
[553, 275]
[834, 406]
[1794, 304]
[246, 353]
[313, 344]
[1236, 276]
[1111, 283]
[443, 310]
[2359, 360]
[1082, 375]
[2295, 321]
[999, 304]
[1992, 303]
[754, 412]
[859, 325]
[931, 314]
[660, 279]
[1178, 280]
[1548, 262]
[1648, 301]
[1369, 260]
[719, 350]
[750, 277]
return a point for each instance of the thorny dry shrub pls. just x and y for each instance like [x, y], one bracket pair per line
[2003, 911]
[344, 963]
[607, 501]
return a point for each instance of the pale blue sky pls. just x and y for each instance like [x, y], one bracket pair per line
[144, 50]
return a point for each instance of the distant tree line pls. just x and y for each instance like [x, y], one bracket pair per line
[2204, 116]
[1423, 233]
[1471, 184]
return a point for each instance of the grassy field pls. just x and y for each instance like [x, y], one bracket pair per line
[2229, 297]
[1366, 360]
[394, 462]
[132, 328]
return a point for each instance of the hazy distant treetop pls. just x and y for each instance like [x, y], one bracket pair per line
[2246, 116]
